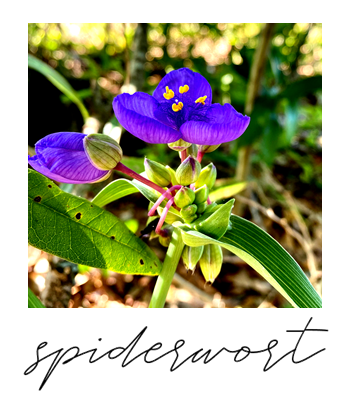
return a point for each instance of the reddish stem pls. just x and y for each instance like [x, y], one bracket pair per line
[200, 155]
[125, 170]
[183, 155]
[166, 194]
[163, 216]
[208, 200]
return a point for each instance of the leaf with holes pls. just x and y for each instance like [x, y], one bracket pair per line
[265, 255]
[81, 232]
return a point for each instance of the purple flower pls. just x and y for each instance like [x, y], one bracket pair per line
[180, 107]
[62, 157]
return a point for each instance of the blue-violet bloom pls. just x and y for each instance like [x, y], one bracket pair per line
[62, 157]
[180, 107]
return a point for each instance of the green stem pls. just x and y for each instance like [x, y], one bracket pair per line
[165, 278]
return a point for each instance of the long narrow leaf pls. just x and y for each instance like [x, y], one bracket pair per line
[33, 301]
[266, 256]
[123, 187]
[59, 81]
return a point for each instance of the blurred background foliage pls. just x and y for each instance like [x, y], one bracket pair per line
[271, 72]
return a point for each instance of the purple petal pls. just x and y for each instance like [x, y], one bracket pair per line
[136, 114]
[222, 124]
[61, 157]
[198, 86]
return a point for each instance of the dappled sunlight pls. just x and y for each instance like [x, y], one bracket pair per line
[273, 170]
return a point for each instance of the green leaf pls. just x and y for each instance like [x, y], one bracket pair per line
[227, 191]
[132, 225]
[216, 224]
[113, 191]
[33, 301]
[266, 256]
[58, 81]
[81, 232]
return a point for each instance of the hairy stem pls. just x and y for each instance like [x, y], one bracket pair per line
[165, 278]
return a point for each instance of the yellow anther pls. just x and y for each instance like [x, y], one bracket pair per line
[183, 89]
[168, 94]
[177, 107]
[201, 100]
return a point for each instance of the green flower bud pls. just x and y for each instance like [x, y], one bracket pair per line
[179, 145]
[188, 171]
[202, 194]
[192, 150]
[207, 177]
[188, 211]
[202, 207]
[102, 151]
[207, 148]
[191, 219]
[171, 217]
[157, 173]
[211, 262]
[185, 196]
[191, 256]
[173, 179]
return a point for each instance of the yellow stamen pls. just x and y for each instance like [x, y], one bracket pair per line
[177, 107]
[201, 100]
[183, 89]
[168, 94]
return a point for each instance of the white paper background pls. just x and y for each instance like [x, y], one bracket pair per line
[23, 329]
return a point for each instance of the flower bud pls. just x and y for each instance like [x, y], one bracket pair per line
[201, 194]
[188, 171]
[179, 145]
[202, 207]
[185, 196]
[191, 256]
[188, 211]
[211, 262]
[102, 151]
[207, 177]
[192, 150]
[157, 173]
[173, 179]
[207, 148]
[190, 219]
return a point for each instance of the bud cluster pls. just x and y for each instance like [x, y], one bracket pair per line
[189, 186]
